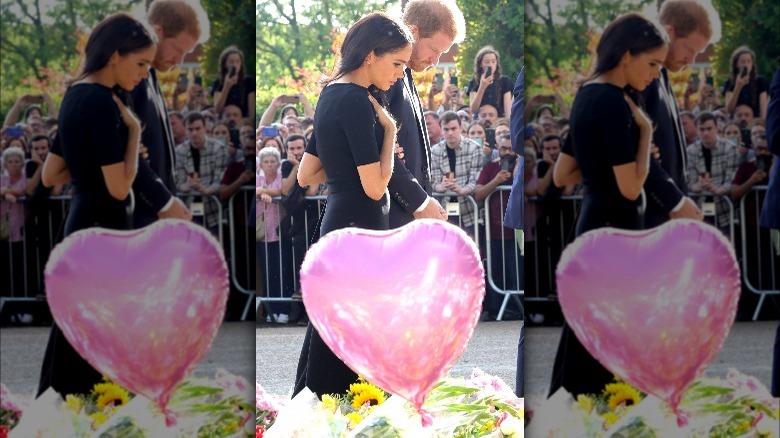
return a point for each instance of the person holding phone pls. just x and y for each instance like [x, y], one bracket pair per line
[97, 151]
[353, 150]
[31, 104]
[289, 104]
[234, 86]
[489, 86]
[611, 157]
[744, 85]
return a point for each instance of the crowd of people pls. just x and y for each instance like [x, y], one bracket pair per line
[723, 131]
[213, 141]
[470, 156]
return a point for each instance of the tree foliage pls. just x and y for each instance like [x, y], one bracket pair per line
[232, 23]
[498, 23]
[754, 23]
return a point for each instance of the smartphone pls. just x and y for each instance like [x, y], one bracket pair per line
[232, 71]
[270, 131]
[36, 99]
[490, 137]
[199, 80]
[439, 79]
[14, 132]
[489, 70]
[743, 72]
[505, 164]
[450, 175]
[762, 163]
[181, 84]
[250, 164]
[454, 80]
[235, 138]
[290, 99]
[710, 80]
[695, 82]
[746, 140]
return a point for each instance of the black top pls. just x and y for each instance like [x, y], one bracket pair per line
[348, 135]
[92, 135]
[603, 135]
[238, 94]
[751, 93]
[490, 96]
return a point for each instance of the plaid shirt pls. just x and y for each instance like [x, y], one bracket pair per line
[213, 162]
[725, 160]
[468, 164]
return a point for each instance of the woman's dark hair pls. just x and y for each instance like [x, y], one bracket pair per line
[119, 33]
[544, 107]
[30, 109]
[375, 33]
[479, 71]
[288, 107]
[223, 73]
[630, 33]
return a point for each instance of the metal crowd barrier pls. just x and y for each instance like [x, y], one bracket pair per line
[513, 248]
[26, 258]
[470, 199]
[759, 265]
[755, 264]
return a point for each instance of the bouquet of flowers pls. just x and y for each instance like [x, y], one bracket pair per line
[267, 409]
[481, 406]
[218, 407]
[737, 406]
[10, 411]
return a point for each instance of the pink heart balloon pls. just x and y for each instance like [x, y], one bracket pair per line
[143, 306]
[399, 306]
[654, 307]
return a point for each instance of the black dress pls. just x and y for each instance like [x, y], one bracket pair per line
[603, 134]
[348, 135]
[91, 135]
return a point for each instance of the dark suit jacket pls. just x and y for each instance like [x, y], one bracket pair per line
[154, 185]
[514, 210]
[665, 185]
[410, 183]
[770, 213]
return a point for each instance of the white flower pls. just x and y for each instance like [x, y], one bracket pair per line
[511, 426]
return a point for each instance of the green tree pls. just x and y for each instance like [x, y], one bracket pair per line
[231, 24]
[498, 23]
[755, 24]
[558, 42]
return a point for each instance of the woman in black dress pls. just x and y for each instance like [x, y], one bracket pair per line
[233, 78]
[608, 150]
[352, 149]
[744, 85]
[97, 152]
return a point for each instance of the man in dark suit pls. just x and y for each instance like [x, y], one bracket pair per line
[688, 24]
[410, 186]
[514, 210]
[178, 28]
[770, 213]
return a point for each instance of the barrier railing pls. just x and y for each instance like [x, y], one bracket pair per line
[509, 249]
[23, 262]
[760, 260]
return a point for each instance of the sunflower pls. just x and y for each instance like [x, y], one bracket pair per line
[354, 419]
[585, 403]
[622, 394]
[110, 394]
[610, 418]
[329, 403]
[98, 418]
[74, 403]
[366, 393]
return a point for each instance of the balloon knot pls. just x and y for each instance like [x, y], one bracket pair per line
[170, 418]
[427, 418]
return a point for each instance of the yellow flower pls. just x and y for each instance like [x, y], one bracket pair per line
[329, 403]
[585, 403]
[610, 418]
[98, 418]
[354, 419]
[73, 403]
[490, 425]
[110, 394]
[624, 395]
[366, 393]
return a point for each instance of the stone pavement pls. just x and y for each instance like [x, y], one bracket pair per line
[22, 348]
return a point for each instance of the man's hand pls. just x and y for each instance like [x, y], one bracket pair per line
[757, 176]
[434, 90]
[689, 210]
[35, 158]
[177, 211]
[433, 210]
[246, 176]
[503, 176]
